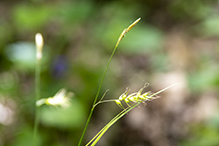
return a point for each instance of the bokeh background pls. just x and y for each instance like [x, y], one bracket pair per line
[177, 41]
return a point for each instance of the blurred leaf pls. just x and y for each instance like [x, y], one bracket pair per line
[214, 121]
[203, 136]
[22, 54]
[74, 14]
[142, 39]
[31, 17]
[69, 117]
[8, 81]
[203, 79]
[159, 62]
[209, 26]
[184, 9]
[25, 137]
[5, 35]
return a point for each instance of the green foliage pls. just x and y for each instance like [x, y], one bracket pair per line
[25, 137]
[30, 17]
[203, 135]
[147, 40]
[195, 9]
[83, 33]
[64, 118]
[22, 54]
[5, 35]
[209, 27]
[204, 80]
[69, 12]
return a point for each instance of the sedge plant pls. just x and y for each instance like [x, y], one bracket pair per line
[131, 100]
[104, 74]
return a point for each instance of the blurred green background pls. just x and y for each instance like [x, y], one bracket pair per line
[177, 41]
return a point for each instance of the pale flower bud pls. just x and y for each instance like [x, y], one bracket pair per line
[39, 45]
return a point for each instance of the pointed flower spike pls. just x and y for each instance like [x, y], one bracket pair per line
[133, 24]
[145, 96]
[140, 91]
[39, 45]
[124, 95]
[127, 102]
[133, 94]
[119, 104]
[133, 99]
[127, 30]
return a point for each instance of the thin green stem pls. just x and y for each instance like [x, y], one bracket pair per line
[112, 100]
[98, 91]
[97, 135]
[39, 47]
[105, 128]
[37, 97]
[104, 74]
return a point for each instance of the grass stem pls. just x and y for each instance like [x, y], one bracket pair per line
[104, 74]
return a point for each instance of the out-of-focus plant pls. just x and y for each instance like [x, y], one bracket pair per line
[39, 48]
[61, 98]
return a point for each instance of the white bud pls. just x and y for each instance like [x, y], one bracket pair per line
[39, 45]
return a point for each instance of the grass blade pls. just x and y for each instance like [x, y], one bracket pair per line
[104, 74]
